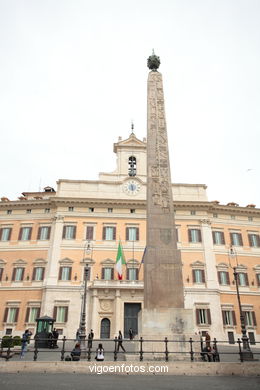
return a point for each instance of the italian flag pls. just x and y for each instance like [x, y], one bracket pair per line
[120, 260]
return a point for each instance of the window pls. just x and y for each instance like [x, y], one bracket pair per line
[242, 279]
[44, 233]
[229, 317]
[215, 215]
[254, 240]
[223, 277]
[132, 211]
[194, 235]
[250, 318]
[47, 211]
[198, 276]
[232, 217]
[28, 211]
[132, 234]
[1, 273]
[132, 166]
[109, 233]
[132, 274]
[218, 238]
[5, 234]
[203, 317]
[18, 274]
[107, 273]
[110, 210]
[11, 314]
[250, 219]
[25, 234]
[193, 212]
[38, 273]
[60, 313]
[70, 208]
[69, 232]
[258, 279]
[90, 233]
[9, 212]
[32, 313]
[65, 273]
[91, 209]
[236, 239]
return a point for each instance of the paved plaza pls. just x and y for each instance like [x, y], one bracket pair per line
[117, 382]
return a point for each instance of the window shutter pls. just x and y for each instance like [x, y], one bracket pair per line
[39, 233]
[246, 277]
[49, 233]
[197, 317]
[1, 230]
[222, 238]
[127, 234]
[258, 280]
[203, 275]
[224, 318]
[16, 314]
[137, 274]
[112, 274]
[104, 233]
[38, 312]
[43, 273]
[244, 315]
[127, 274]
[114, 232]
[55, 312]
[254, 318]
[90, 231]
[27, 314]
[1, 273]
[137, 234]
[228, 279]
[240, 239]
[20, 234]
[60, 272]
[66, 314]
[189, 235]
[219, 279]
[34, 272]
[103, 273]
[6, 314]
[234, 318]
[64, 232]
[74, 231]
[13, 274]
[258, 241]
[208, 316]
[199, 235]
[30, 233]
[193, 276]
[250, 239]
[231, 238]
[22, 274]
[70, 269]
[214, 237]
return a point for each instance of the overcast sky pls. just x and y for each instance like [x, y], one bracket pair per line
[73, 75]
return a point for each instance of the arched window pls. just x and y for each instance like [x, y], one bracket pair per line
[132, 166]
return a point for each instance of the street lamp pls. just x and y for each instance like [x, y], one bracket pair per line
[246, 351]
[82, 326]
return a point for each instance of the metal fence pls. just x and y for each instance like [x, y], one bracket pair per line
[192, 350]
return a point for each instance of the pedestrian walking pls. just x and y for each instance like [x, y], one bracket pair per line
[89, 340]
[120, 341]
[100, 353]
[25, 340]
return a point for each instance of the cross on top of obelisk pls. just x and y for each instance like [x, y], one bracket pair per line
[153, 62]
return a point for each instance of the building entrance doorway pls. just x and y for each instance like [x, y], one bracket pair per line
[105, 329]
[131, 318]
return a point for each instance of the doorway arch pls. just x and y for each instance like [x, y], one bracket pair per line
[105, 328]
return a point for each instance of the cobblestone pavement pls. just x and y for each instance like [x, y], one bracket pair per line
[117, 382]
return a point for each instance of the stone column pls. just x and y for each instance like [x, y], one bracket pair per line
[118, 315]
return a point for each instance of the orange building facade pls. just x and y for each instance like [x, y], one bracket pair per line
[47, 238]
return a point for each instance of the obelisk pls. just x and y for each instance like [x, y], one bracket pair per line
[163, 313]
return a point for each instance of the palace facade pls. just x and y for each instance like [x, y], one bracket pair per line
[47, 238]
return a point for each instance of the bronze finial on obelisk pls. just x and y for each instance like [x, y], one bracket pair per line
[163, 284]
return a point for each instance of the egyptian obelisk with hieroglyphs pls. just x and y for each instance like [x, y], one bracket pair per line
[163, 313]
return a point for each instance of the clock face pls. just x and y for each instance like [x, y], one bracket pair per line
[132, 187]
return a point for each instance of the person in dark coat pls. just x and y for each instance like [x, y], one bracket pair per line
[131, 334]
[55, 336]
[120, 341]
[76, 352]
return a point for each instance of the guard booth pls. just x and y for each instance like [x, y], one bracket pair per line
[44, 330]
